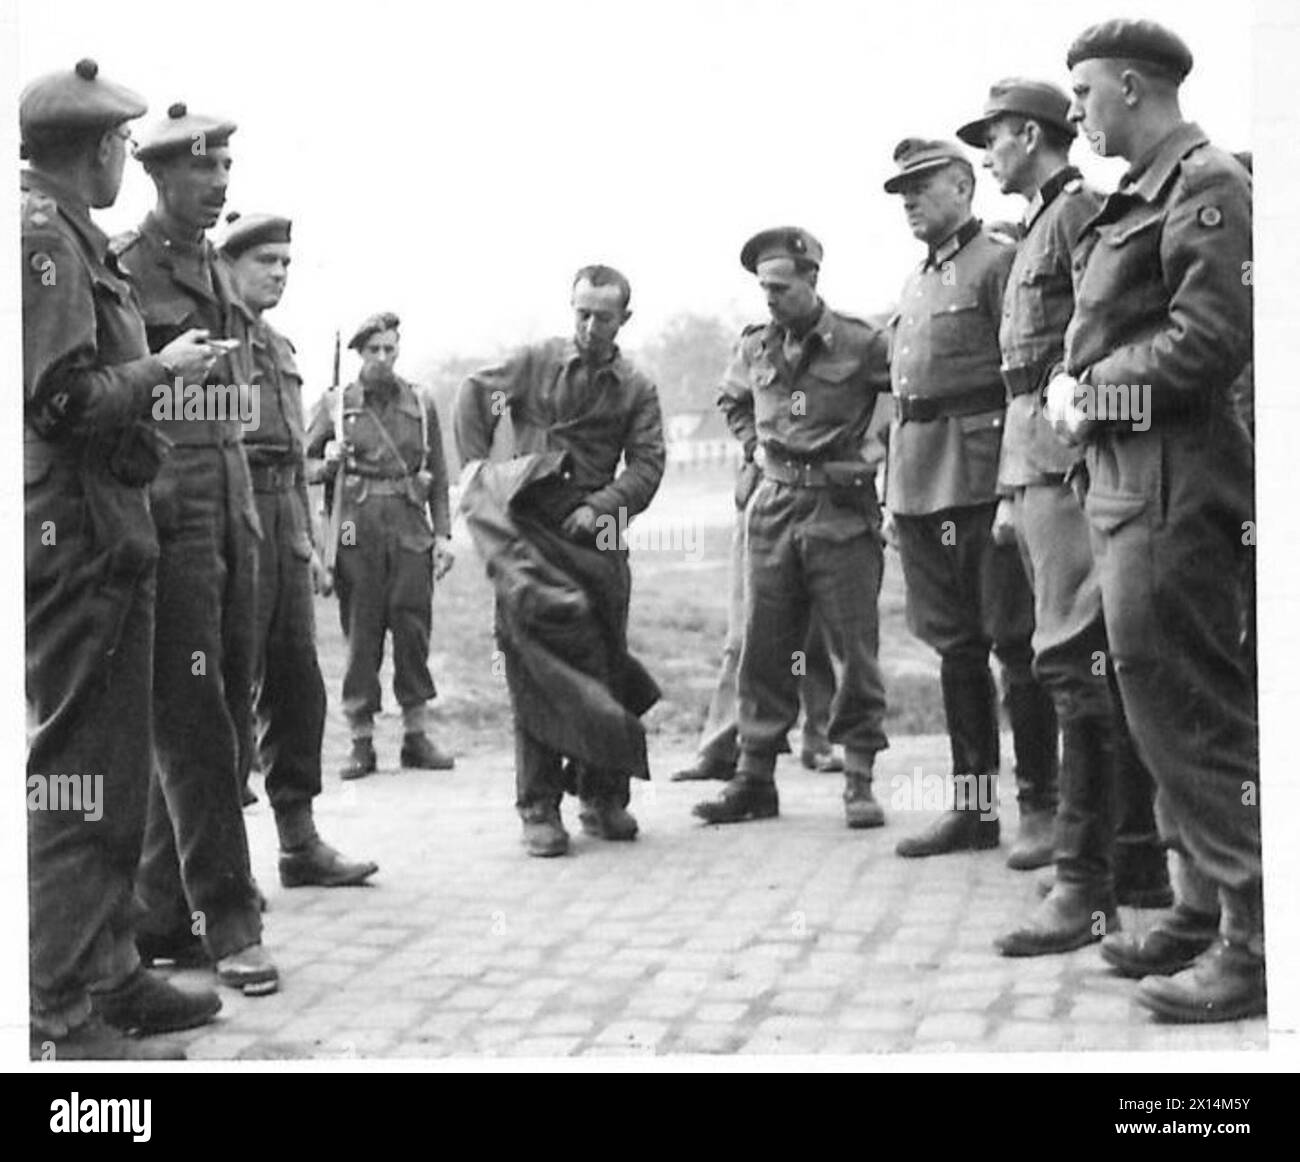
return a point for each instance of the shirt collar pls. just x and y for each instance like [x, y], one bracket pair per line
[1147, 176]
[154, 229]
[823, 326]
[953, 243]
[70, 206]
[613, 364]
[1048, 192]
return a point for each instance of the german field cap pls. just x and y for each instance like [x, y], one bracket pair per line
[916, 156]
[384, 321]
[1040, 101]
[780, 242]
[1139, 40]
[244, 231]
[73, 100]
[182, 132]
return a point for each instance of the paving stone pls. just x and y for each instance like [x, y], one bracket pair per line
[636, 1035]
[789, 939]
[960, 1028]
[543, 1047]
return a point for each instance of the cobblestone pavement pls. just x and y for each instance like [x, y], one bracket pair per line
[792, 935]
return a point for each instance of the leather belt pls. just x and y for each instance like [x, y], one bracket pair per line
[213, 441]
[800, 473]
[816, 473]
[1022, 380]
[273, 477]
[386, 485]
[201, 433]
[924, 408]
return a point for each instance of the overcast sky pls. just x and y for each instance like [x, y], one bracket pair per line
[456, 162]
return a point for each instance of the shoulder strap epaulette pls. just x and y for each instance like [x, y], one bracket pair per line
[119, 244]
[39, 210]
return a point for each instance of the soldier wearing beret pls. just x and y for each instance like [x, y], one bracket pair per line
[88, 381]
[1027, 138]
[965, 594]
[580, 398]
[1163, 319]
[290, 698]
[799, 395]
[391, 529]
[195, 886]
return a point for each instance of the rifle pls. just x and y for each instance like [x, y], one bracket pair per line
[335, 488]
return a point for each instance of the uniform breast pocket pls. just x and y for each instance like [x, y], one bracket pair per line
[1030, 296]
[164, 321]
[118, 319]
[835, 371]
[959, 325]
[1124, 264]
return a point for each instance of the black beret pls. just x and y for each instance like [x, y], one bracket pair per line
[244, 231]
[384, 321]
[75, 99]
[1139, 40]
[915, 155]
[179, 131]
[1040, 101]
[780, 242]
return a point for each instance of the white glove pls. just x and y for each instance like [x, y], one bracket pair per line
[1061, 409]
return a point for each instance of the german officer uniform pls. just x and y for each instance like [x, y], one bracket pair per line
[965, 594]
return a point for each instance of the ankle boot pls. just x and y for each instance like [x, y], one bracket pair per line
[1034, 839]
[420, 752]
[860, 807]
[1071, 916]
[361, 761]
[971, 825]
[1224, 983]
[1170, 947]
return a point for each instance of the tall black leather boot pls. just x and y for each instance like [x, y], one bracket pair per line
[1034, 736]
[1081, 907]
[970, 707]
[1141, 865]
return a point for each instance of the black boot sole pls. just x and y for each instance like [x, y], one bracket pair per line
[752, 815]
[1137, 969]
[922, 851]
[1171, 1012]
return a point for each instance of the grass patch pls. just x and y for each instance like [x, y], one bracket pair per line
[677, 626]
